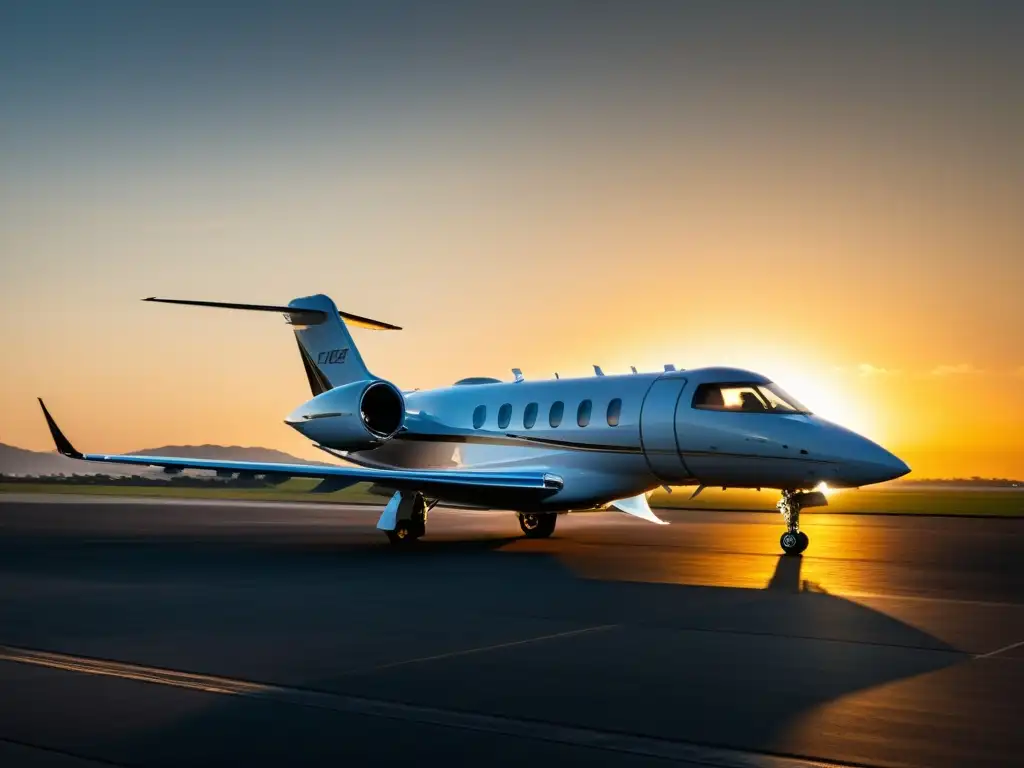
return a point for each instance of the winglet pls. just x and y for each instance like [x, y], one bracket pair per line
[63, 444]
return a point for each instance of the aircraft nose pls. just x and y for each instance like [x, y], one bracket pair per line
[890, 466]
[857, 460]
[873, 464]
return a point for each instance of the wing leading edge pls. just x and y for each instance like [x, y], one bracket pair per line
[456, 484]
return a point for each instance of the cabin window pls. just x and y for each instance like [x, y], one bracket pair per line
[530, 416]
[504, 415]
[479, 416]
[555, 415]
[614, 411]
[745, 398]
[583, 413]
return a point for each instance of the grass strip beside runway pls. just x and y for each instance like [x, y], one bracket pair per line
[982, 502]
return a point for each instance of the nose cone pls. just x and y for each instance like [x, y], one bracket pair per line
[862, 462]
[880, 466]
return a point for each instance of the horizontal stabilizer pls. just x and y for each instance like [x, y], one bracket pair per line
[637, 506]
[295, 316]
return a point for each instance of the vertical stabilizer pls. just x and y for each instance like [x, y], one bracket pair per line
[329, 355]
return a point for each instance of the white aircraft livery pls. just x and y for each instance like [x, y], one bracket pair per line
[544, 448]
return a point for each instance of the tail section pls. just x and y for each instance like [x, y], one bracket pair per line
[329, 355]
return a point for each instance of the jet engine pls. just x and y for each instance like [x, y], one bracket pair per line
[354, 417]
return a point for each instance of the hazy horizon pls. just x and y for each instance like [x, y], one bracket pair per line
[826, 193]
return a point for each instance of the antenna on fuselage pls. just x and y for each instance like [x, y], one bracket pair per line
[632, 368]
[556, 374]
[669, 367]
[598, 371]
[518, 374]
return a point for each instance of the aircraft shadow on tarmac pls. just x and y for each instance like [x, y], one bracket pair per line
[713, 665]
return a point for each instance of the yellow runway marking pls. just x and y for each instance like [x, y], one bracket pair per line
[998, 651]
[207, 683]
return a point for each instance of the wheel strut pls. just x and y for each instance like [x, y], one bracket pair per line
[793, 541]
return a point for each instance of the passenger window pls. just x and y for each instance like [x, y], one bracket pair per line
[504, 415]
[530, 416]
[583, 413]
[614, 411]
[479, 416]
[555, 416]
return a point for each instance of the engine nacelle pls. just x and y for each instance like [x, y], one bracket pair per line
[354, 417]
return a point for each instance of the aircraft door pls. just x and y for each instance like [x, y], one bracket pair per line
[658, 428]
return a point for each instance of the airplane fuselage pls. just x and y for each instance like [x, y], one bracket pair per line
[541, 447]
[612, 437]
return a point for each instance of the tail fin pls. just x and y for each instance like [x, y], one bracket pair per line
[328, 353]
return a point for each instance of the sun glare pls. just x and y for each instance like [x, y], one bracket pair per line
[807, 375]
[826, 396]
[823, 488]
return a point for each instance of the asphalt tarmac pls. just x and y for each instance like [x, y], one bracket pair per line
[160, 633]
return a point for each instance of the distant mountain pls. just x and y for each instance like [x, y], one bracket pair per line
[227, 453]
[962, 482]
[19, 461]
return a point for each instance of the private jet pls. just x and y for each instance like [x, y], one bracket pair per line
[543, 448]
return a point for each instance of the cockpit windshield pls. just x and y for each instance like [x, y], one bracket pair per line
[746, 398]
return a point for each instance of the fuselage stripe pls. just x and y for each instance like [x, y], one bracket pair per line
[513, 439]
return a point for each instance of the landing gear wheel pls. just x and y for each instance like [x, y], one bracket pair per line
[418, 522]
[537, 526]
[405, 533]
[413, 526]
[790, 542]
[794, 541]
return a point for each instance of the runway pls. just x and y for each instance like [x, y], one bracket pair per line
[160, 633]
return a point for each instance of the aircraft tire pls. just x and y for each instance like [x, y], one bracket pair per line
[405, 533]
[538, 526]
[804, 541]
[790, 543]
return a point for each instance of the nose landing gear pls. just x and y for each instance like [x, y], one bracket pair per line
[794, 541]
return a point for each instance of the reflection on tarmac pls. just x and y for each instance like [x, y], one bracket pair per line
[891, 642]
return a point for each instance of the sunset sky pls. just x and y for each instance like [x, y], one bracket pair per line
[831, 194]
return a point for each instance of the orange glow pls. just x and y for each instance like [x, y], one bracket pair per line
[880, 285]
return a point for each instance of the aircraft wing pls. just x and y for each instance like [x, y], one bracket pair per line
[442, 483]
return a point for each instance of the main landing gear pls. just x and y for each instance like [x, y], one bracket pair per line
[794, 541]
[537, 526]
[405, 518]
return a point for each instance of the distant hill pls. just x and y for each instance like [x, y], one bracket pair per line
[961, 482]
[227, 453]
[20, 461]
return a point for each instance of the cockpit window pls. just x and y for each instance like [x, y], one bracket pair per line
[746, 398]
